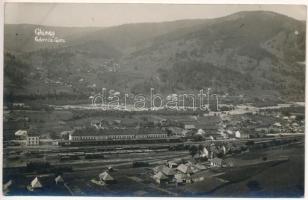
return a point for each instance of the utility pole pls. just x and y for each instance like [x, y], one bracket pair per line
[208, 98]
[103, 96]
[217, 107]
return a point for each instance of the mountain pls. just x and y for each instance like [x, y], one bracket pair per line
[260, 49]
[257, 53]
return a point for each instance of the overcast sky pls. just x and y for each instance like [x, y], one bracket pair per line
[66, 14]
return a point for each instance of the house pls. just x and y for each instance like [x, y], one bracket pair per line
[184, 169]
[110, 169]
[219, 137]
[6, 187]
[59, 179]
[194, 169]
[168, 171]
[21, 134]
[176, 131]
[200, 132]
[33, 140]
[295, 124]
[217, 162]
[158, 169]
[229, 132]
[106, 178]
[189, 127]
[238, 134]
[180, 178]
[277, 124]
[35, 184]
[224, 149]
[211, 137]
[160, 178]
[172, 164]
[65, 134]
[163, 122]
[187, 133]
[19, 105]
[117, 121]
[96, 124]
[261, 130]
[293, 117]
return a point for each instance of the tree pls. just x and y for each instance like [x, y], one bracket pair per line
[197, 137]
[193, 150]
[53, 135]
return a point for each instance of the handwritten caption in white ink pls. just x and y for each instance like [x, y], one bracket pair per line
[43, 35]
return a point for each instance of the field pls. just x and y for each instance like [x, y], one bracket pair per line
[46, 123]
[283, 180]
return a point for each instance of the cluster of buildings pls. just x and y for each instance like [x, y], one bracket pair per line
[287, 124]
[38, 184]
[181, 172]
[104, 124]
[176, 171]
[103, 130]
[31, 139]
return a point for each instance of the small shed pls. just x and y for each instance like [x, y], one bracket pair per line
[172, 164]
[105, 176]
[59, 179]
[35, 183]
[158, 168]
[168, 171]
[217, 162]
[200, 132]
[21, 133]
[6, 186]
[160, 178]
[110, 169]
[184, 169]
[181, 178]
[277, 124]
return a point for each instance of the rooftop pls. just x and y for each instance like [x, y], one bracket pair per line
[127, 131]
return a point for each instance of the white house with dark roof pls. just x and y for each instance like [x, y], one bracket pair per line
[33, 140]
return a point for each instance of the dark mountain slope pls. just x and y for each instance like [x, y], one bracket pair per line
[251, 53]
[261, 47]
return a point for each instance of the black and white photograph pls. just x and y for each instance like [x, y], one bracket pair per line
[153, 100]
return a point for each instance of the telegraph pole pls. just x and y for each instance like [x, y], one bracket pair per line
[208, 98]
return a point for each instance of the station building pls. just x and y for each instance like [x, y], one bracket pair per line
[114, 136]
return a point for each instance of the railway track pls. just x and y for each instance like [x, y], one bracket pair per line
[133, 148]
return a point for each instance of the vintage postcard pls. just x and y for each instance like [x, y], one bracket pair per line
[154, 100]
